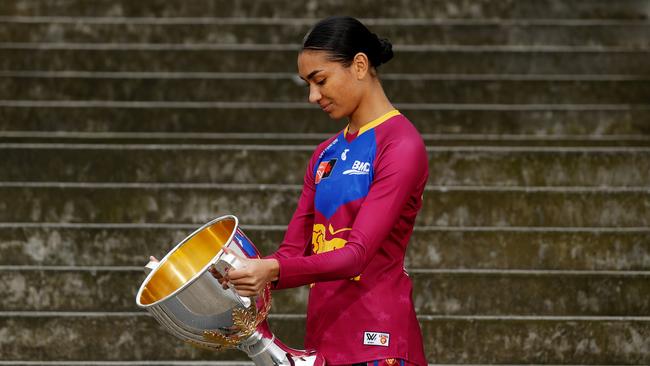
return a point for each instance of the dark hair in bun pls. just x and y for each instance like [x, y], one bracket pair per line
[343, 37]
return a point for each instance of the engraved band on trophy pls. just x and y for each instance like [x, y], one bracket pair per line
[189, 301]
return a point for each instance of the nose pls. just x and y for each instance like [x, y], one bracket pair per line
[314, 94]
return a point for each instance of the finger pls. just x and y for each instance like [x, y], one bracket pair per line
[218, 277]
[153, 259]
[244, 281]
[235, 274]
[244, 286]
[215, 273]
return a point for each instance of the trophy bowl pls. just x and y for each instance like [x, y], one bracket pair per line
[183, 296]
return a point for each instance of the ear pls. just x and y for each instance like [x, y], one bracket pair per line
[360, 65]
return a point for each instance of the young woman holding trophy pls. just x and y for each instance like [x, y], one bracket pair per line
[362, 191]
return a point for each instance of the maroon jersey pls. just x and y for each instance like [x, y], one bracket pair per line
[348, 238]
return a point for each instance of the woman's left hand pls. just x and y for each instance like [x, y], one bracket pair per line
[252, 278]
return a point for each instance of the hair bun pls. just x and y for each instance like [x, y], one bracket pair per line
[343, 37]
[385, 50]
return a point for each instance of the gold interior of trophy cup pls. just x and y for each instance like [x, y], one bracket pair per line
[187, 260]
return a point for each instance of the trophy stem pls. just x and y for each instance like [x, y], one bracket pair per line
[266, 350]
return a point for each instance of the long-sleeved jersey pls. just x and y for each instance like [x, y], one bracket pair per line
[347, 239]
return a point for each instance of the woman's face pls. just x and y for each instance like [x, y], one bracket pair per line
[331, 85]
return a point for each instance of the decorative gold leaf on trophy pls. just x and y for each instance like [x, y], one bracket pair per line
[244, 324]
[204, 346]
[222, 340]
[245, 321]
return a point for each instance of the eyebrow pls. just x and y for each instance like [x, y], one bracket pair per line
[311, 74]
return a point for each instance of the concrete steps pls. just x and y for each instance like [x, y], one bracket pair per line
[491, 339]
[266, 204]
[479, 9]
[632, 34]
[214, 57]
[550, 124]
[435, 292]
[37, 140]
[285, 88]
[215, 163]
[438, 247]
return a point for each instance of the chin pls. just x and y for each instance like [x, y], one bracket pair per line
[335, 114]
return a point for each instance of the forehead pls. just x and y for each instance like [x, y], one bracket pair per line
[311, 60]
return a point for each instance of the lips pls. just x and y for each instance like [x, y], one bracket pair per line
[326, 107]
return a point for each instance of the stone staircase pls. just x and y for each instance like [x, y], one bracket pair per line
[124, 125]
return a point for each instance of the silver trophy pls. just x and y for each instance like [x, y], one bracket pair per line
[189, 301]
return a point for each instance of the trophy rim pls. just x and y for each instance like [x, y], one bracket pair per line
[199, 273]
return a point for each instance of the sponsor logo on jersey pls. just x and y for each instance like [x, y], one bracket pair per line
[324, 170]
[358, 168]
[376, 339]
[344, 154]
[328, 147]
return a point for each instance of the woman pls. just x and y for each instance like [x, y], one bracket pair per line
[362, 190]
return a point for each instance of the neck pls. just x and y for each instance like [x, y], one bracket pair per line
[374, 105]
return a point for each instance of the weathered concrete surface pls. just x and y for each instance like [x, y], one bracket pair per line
[446, 293]
[630, 35]
[437, 142]
[106, 338]
[260, 164]
[268, 205]
[543, 208]
[437, 60]
[527, 249]
[541, 123]
[597, 9]
[429, 248]
[447, 340]
[530, 294]
[263, 32]
[502, 341]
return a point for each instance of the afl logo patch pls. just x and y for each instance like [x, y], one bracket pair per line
[324, 170]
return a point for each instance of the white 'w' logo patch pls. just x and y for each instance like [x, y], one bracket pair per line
[376, 339]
